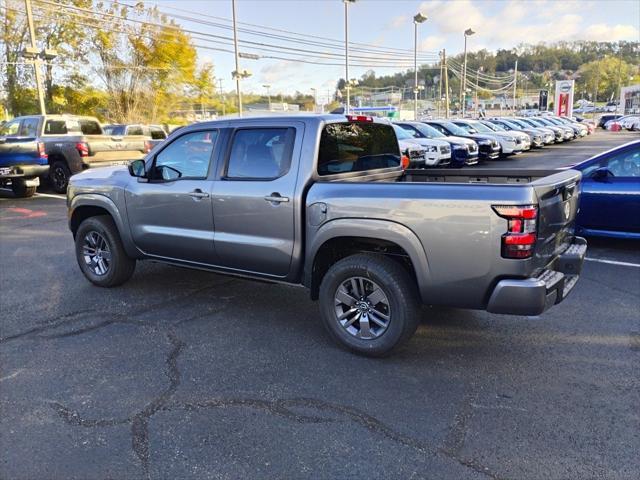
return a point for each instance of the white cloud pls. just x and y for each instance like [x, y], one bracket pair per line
[432, 42]
[612, 33]
[399, 21]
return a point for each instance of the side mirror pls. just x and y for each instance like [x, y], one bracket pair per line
[601, 174]
[167, 173]
[137, 168]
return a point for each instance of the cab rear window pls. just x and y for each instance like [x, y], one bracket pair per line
[357, 147]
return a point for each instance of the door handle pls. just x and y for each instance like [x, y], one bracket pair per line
[275, 197]
[197, 193]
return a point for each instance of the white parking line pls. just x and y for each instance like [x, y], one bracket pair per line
[613, 262]
[49, 195]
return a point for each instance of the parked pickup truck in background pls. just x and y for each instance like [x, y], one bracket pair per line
[23, 159]
[322, 201]
[154, 134]
[69, 143]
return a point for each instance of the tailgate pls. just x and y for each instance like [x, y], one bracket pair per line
[115, 149]
[558, 200]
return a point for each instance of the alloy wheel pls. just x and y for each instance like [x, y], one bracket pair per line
[96, 253]
[362, 308]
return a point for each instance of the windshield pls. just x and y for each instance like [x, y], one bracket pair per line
[515, 124]
[481, 127]
[494, 127]
[401, 133]
[428, 131]
[454, 129]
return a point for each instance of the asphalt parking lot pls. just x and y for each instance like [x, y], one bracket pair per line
[185, 374]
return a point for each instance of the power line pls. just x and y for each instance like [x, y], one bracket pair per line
[206, 47]
[256, 45]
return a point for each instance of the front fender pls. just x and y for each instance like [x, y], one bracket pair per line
[375, 229]
[119, 217]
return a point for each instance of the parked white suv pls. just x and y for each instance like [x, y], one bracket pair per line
[436, 152]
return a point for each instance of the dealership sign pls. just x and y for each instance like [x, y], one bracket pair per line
[563, 104]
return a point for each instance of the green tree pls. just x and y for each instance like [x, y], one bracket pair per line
[603, 78]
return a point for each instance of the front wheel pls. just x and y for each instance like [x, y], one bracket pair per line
[369, 304]
[100, 253]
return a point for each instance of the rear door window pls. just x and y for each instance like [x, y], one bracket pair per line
[260, 153]
[29, 127]
[357, 147]
[134, 130]
[90, 127]
[55, 127]
[157, 133]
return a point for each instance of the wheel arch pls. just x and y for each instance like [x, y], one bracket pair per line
[90, 205]
[340, 238]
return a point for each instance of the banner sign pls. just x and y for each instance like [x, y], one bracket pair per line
[543, 100]
[563, 105]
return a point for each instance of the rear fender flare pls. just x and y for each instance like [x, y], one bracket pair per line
[374, 229]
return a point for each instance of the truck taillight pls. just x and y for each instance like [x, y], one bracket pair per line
[405, 162]
[83, 149]
[41, 151]
[147, 146]
[521, 236]
[359, 118]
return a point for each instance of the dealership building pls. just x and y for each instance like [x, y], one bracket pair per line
[630, 99]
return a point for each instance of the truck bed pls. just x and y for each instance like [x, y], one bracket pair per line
[476, 175]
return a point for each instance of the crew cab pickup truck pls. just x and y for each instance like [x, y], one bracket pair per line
[22, 158]
[69, 144]
[323, 201]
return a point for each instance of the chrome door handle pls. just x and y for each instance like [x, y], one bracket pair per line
[276, 198]
[197, 193]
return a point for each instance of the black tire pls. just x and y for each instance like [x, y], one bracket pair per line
[400, 290]
[59, 175]
[120, 266]
[21, 190]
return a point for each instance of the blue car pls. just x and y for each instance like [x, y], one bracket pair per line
[610, 201]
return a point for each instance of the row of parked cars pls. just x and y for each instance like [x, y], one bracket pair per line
[464, 142]
[620, 122]
[57, 146]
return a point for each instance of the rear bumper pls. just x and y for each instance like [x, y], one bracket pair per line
[532, 296]
[24, 171]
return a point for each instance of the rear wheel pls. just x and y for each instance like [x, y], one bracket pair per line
[100, 253]
[21, 190]
[59, 175]
[369, 304]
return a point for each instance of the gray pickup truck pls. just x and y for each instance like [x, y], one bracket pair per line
[323, 201]
[68, 143]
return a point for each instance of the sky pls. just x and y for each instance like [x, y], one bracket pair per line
[388, 23]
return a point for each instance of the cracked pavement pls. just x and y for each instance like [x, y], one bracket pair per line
[186, 374]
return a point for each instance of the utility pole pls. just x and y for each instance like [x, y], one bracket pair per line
[515, 84]
[222, 97]
[36, 60]
[446, 84]
[235, 46]
[477, 85]
[440, 85]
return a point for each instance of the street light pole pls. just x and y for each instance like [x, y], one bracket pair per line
[463, 84]
[418, 18]
[235, 46]
[36, 60]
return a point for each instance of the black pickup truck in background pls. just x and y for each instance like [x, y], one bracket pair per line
[65, 144]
